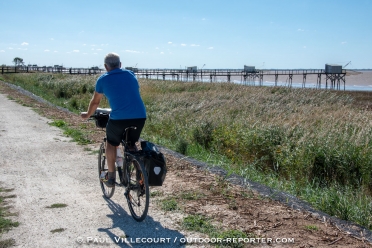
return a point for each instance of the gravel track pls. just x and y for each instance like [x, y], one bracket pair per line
[45, 168]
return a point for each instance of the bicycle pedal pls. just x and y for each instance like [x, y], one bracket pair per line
[103, 176]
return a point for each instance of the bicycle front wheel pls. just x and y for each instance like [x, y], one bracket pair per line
[137, 191]
[103, 168]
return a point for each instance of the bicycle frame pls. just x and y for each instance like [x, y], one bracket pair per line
[133, 176]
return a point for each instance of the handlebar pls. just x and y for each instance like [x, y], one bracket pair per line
[101, 113]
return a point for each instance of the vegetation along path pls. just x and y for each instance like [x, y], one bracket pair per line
[59, 202]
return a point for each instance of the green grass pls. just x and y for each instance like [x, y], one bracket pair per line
[202, 224]
[314, 144]
[73, 93]
[198, 223]
[312, 228]
[77, 135]
[191, 195]
[58, 230]
[306, 142]
[57, 205]
[6, 224]
[156, 193]
[231, 235]
[169, 204]
[7, 243]
[175, 202]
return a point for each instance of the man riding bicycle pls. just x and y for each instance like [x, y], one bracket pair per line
[127, 108]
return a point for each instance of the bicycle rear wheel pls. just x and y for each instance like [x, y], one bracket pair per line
[137, 191]
[102, 167]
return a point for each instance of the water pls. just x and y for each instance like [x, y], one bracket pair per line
[310, 85]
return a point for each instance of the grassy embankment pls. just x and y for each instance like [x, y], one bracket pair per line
[314, 144]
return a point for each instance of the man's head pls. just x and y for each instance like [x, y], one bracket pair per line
[112, 61]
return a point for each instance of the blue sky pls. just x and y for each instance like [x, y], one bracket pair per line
[283, 34]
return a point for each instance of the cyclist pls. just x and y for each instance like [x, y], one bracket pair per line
[127, 108]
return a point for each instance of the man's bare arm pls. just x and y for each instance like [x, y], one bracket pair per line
[93, 105]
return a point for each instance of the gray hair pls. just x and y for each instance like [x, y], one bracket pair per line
[112, 60]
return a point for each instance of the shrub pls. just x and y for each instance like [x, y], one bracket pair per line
[203, 134]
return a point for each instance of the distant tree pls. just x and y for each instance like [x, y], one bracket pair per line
[18, 61]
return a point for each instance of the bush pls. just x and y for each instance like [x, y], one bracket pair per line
[203, 134]
[182, 146]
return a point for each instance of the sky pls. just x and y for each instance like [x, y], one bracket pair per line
[172, 34]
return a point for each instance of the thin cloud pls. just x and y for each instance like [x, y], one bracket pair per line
[344, 42]
[194, 45]
[161, 52]
[170, 42]
[46, 50]
[300, 30]
[24, 44]
[131, 51]
[2, 51]
[10, 48]
[51, 38]
[210, 48]
[75, 51]
[183, 44]
[203, 19]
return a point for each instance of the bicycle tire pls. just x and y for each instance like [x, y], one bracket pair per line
[137, 191]
[102, 166]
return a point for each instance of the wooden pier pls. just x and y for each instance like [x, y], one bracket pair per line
[50, 69]
[332, 80]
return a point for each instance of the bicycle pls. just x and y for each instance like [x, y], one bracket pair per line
[132, 174]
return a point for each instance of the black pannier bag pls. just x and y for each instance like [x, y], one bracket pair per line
[155, 164]
[102, 117]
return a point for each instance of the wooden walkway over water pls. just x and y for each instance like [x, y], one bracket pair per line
[332, 80]
[50, 69]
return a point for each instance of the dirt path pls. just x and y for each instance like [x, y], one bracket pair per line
[45, 168]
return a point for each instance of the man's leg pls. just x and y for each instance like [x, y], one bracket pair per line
[134, 135]
[111, 158]
[113, 133]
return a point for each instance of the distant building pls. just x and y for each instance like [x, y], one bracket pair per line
[133, 69]
[192, 69]
[333, 69]
[249, 68]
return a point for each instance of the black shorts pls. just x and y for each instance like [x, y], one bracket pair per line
[115, 130]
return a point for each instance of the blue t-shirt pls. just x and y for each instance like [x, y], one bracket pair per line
[122, 91]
